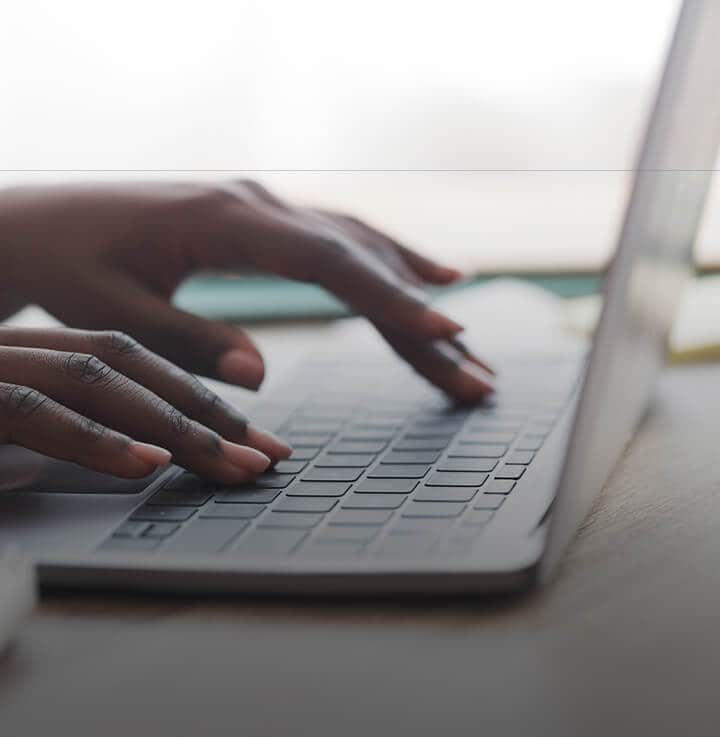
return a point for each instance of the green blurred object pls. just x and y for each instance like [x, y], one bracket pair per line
[264, 299]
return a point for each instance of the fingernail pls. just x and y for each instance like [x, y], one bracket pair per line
[470, 356]
[269, 443]
[441, 325]
[451, 273]
[150, 453]
[238, 366]
[475, 382]
[241, 455]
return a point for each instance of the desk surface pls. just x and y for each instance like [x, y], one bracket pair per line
[624, 642]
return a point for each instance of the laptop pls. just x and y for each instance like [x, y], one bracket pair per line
[391, 489]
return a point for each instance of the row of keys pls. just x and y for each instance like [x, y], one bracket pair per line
[210, 535]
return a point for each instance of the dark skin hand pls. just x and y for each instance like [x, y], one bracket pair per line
[117, 394]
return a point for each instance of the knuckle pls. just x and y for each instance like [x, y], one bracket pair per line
[89, 430]
[331, 256]
[88, 369]
[211, 442]
[206, 401]
[216, 196]
[334, 247]
[19, 403]
[179, 423]
[115, 342]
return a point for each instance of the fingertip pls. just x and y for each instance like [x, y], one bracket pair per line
[269, 443]
[438, 325]
[472, 383]
[238, 366]
[244, 456]
[445, 274]
[153, 455]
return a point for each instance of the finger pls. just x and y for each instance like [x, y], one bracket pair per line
[425, 268]
[378, 245]
[202, 346]
[31, 420]
[89, 386]
[444, 366]
[288, 244]
[160, 376]
[370, 286]
[467, 353]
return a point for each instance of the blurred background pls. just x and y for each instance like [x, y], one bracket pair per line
[496, 134]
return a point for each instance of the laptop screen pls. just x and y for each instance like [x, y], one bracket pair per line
[650, 267]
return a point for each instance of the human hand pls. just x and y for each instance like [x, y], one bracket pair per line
[111, 256]
[103, 401]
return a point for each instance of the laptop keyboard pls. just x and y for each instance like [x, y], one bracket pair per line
[382, 467]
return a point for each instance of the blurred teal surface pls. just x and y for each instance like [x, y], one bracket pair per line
[262, 299]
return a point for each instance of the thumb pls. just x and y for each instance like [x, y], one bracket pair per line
[205, 347]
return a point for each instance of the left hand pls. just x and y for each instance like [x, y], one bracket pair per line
[111, 257]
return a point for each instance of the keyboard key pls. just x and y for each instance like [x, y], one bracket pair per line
[161, 530]
[478, 450]
[369, 435]
[349, 533]
[305, 504]
[361, 517]
[333, 474]
[312, 423]
[374, 425]
[291, 520]
[373, 501]
[477, 517]
[268, 541]
[433, 509]
[528, 443]
[319, 488]
[231, 511]
[332, 548]
[444, 493]
[129, 545]
[409, 546]
[293, 466]
[489, 501]
[304, 454]
[242, 496]
[131, 529]
[421, 444]
[205, 537]
[495, 426]
[422, 457]
[386, 486]
[456, 478]
[420, 525]
[179, 498]
[468, 464]
[189, 482]
[348, 461]
[434, 427]
[361, 447]
[521, 457]
[430, 433]
[510, 472]
[309, 439]
[499, 438]
[498, 487]
[271, 480]
[162, 514]
[392, 471]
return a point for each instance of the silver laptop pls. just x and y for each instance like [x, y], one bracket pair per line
[391, 490]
